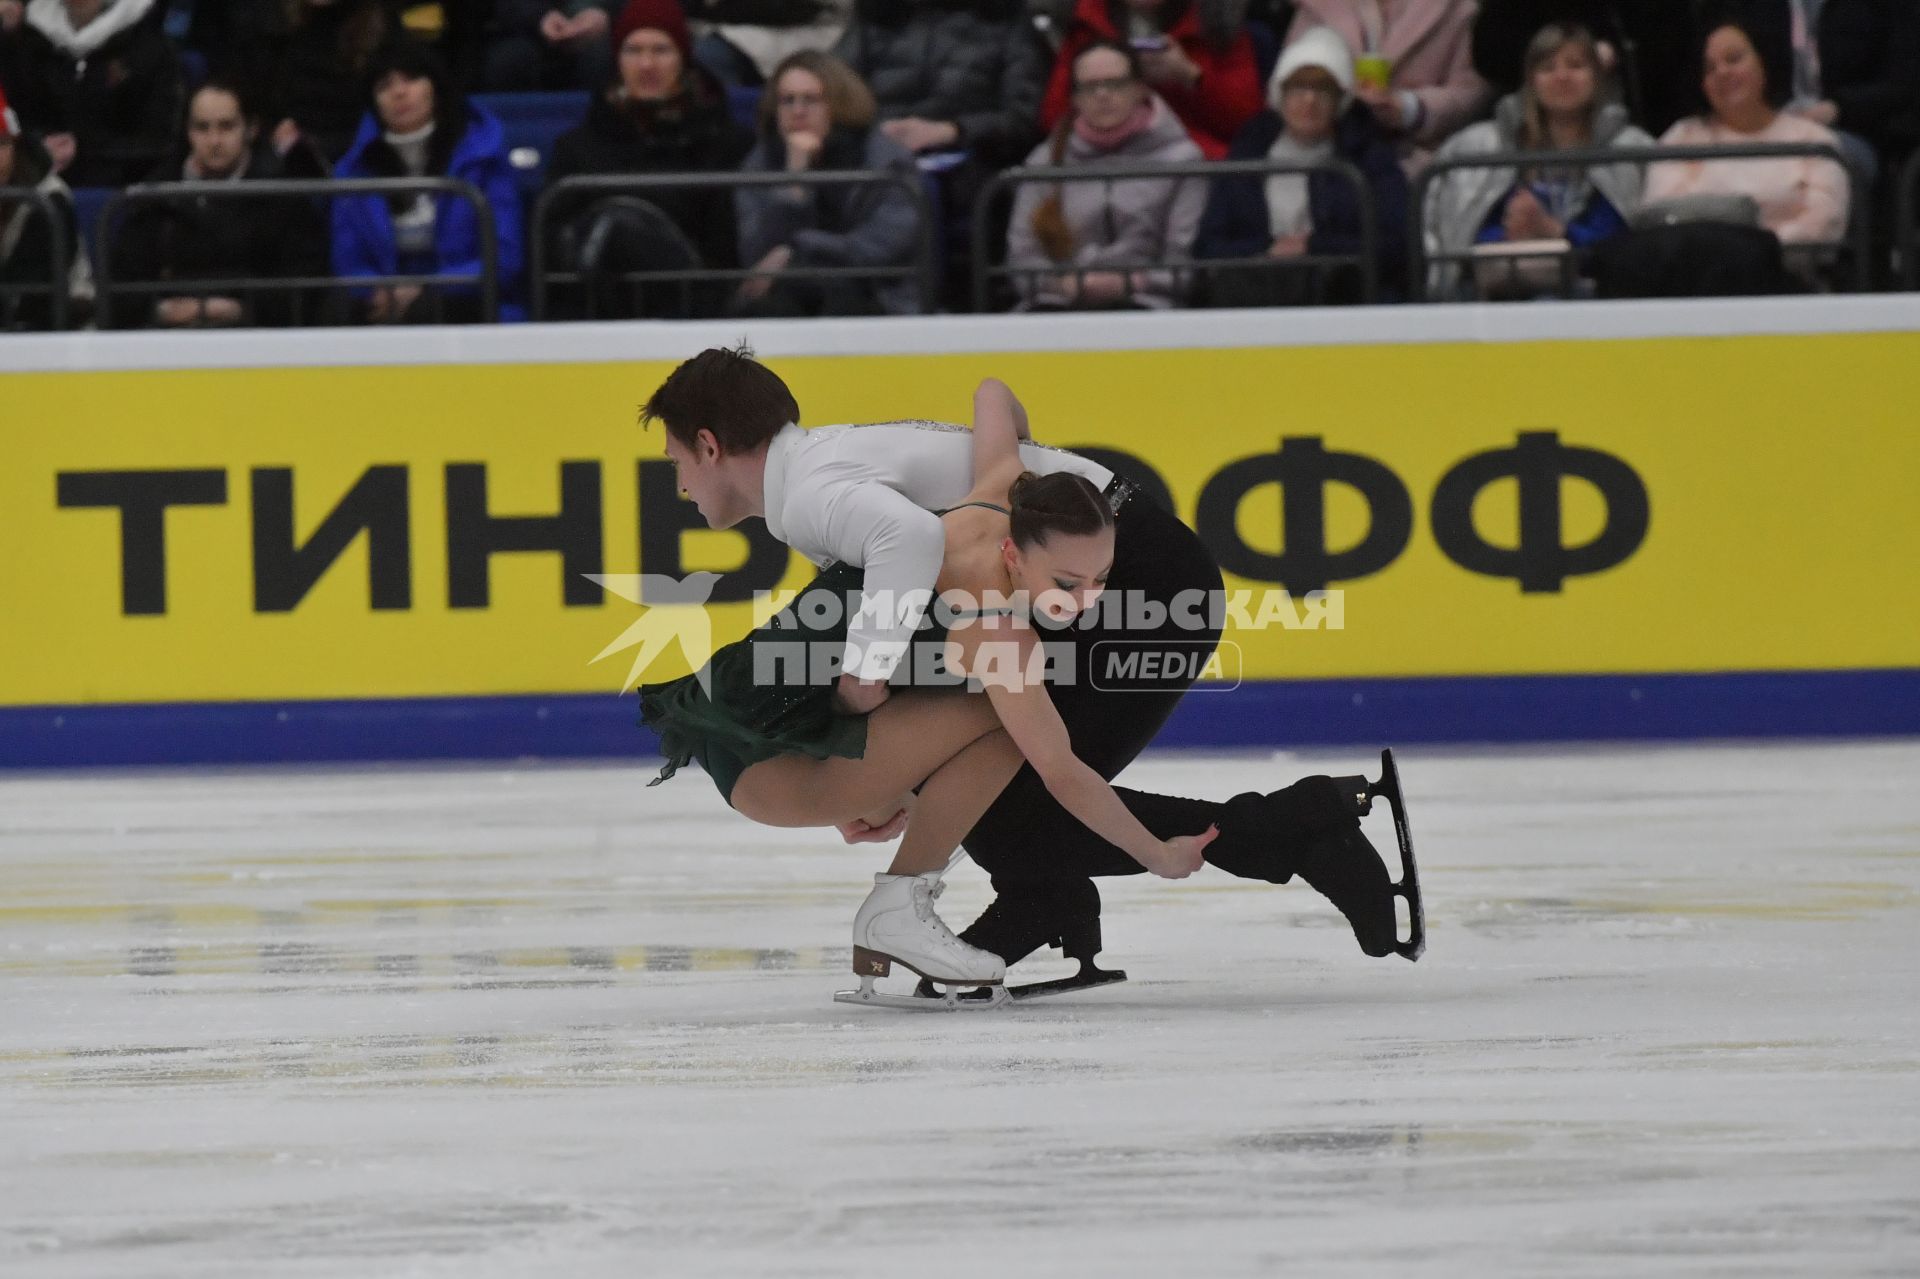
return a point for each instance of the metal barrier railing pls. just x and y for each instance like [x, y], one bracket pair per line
[571, 191]
[487, 281]
[1907, 234]
[1367, 260]
[41, 205]
[1419, 258]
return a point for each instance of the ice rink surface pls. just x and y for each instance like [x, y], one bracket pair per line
[516, 1021]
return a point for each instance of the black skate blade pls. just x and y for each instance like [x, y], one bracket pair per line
[1086, 979]
[1408, 889]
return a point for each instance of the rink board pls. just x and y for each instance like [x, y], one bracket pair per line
[1539, 523]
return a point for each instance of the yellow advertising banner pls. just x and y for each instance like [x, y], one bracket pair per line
[1549, 507]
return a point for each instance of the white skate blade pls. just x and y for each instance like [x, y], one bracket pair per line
[950, 1002]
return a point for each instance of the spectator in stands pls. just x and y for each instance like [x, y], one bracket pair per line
[422, 126]
[549, 44]
[1079, 245]
[1562, 104]
[309, 72]
[1746, 80]
[1312, 115]
[26, 241]
[1413, 65]
[664, 114]
[1196, 56]
[1646, 47]
[817, 117]
[742, 41]
[1870, 73]
[203, 241]
[98, 81]
[950, 74]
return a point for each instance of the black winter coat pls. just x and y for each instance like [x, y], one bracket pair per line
[977, 65]
[692, 134]
[212, 240]
[1236, 223]
[1870, 69]
[123, 103]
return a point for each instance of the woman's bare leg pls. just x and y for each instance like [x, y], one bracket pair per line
[908, 738]
[953, 799]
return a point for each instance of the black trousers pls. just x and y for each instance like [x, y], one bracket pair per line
[1034, 848]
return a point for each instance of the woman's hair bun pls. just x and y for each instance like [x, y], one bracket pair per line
[1063, 502]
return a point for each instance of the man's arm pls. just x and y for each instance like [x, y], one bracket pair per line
[900, 546]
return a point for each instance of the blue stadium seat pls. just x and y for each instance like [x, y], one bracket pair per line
[87, 203]
[534, 122]
[743, 103]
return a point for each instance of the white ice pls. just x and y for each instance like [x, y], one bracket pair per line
[511, 1021]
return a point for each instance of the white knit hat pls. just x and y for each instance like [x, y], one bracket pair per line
[1321, 47]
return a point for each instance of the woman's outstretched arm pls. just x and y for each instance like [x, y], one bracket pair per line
[999, 424]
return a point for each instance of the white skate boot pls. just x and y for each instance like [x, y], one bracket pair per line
[897, 925]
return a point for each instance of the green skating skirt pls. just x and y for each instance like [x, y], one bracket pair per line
[741, 718]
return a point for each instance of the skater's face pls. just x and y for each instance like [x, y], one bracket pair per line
[650, 66]
[699, 471]
[1063, 575]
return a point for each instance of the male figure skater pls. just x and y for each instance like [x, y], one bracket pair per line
[865, 495]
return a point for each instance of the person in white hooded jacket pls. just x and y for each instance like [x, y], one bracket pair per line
[99, 82]
[1078, 245]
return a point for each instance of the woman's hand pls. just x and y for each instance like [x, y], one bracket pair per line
[1103, 286]
[1182, 855]
[1822, 112]
[1170, 65]
[879, 827]
[916, 134]
[61, 148]
[803, 149]
[1385, 104]
[1288, 246]
[755, 287]
[1527, 219]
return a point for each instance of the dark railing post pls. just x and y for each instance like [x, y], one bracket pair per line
[488, 280]
[1907, 234]
[1858, 235]
[1203, 171]
[41, 205]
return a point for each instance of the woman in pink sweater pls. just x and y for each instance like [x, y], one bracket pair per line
[1802, 199]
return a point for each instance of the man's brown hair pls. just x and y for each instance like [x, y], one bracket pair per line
[726, 391]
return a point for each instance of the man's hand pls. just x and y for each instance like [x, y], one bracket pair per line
[856, 696]
[916, 134]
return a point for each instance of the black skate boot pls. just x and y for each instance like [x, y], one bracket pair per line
[1312, 829]
[1029, 914]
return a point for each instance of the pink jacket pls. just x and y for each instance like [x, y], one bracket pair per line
[1430, 43]
[1802, 199]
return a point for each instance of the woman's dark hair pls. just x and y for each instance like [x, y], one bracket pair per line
[1772, 42]
[726, 391]
[1042, 505]
[364, 25]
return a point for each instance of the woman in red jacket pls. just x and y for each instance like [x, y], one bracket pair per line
[1197, 56]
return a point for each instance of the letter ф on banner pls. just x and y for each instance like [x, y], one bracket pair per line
[1541, 562]
[1303, 468]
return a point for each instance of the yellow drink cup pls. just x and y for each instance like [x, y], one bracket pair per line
[1373, 70]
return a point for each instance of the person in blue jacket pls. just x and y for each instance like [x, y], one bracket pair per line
[1311, 114]
[420, 125]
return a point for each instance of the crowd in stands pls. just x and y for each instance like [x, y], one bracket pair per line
[1351, 129]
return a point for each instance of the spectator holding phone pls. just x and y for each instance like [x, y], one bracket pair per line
[1195, 55]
